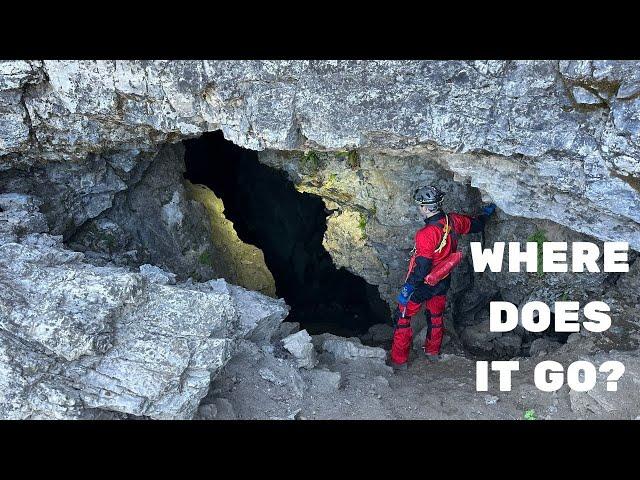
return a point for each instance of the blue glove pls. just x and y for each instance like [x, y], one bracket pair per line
[405, 294]
[489, 209]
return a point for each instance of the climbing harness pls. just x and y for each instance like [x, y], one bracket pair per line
[446, 229]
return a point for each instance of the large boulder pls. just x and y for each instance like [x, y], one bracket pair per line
[77, 338]
[347, 348]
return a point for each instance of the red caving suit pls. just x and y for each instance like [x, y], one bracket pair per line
[425, 257]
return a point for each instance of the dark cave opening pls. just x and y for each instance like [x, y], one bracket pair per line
[549, 334]
[288, 226]
[480, 343]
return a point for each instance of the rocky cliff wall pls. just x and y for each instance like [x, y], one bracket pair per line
[555, 140]
[90, 154]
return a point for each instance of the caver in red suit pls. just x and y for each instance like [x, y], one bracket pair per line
[431, 248]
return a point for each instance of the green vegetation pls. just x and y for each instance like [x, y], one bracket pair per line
[310, 160]
[205, 258]
[353, 158]
[539, 237]
[331, 180]
[530, 414]
[362, 225]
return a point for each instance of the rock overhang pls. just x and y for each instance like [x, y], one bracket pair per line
[522, 116]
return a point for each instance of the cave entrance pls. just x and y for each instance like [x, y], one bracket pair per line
[481, 344]
[288, 226]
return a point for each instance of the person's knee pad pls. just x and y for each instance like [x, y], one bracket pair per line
[401, 322]
[435, 316]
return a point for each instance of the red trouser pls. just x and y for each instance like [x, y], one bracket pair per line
[403, 332]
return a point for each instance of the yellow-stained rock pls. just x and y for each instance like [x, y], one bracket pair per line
[346, 235]
[236, 261]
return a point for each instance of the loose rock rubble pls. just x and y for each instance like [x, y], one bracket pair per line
[300, 346]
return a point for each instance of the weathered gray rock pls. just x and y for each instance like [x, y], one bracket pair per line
[154, 218]
[163, 355]
[285, 329]
[267, 374]
[479, 337]
[508, 345]
[75, 337]
[262, 315]
[207, 412]
[582, 95]
[541, 346]
[491, 399]
[348, 348]
[220, 409]
[621, 404]
[15, 76]
[157, 275]
[74, 192]
[378, 334]
[19, 215]
[300, 346]
[482, 116]
[224, 409]
[324, 381]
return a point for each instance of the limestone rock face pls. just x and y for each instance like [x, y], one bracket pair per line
[546, 139]
[78, 339]
[260, 316]
[153, 221]
[372, 226]
[73, 193]
[373, 221]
